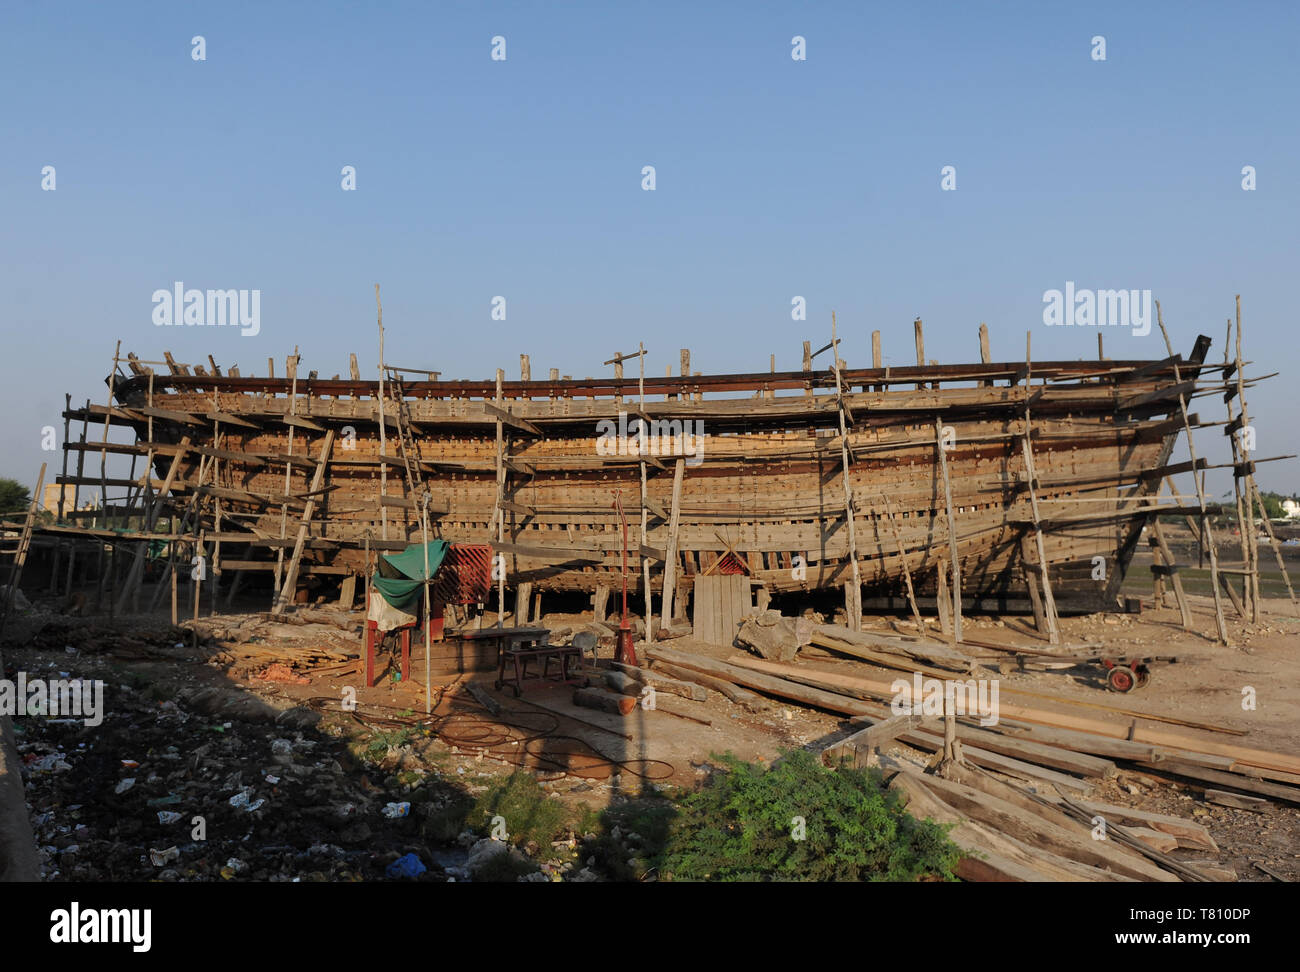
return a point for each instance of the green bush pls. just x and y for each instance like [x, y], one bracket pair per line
[741, 825]
[530, 813]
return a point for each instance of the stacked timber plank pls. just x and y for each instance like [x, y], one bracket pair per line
[1020, 795]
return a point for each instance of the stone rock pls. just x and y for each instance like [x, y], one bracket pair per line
[769, 635]
[487, 850]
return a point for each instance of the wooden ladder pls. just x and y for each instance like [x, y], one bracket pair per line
[12, 571]
[406, 440]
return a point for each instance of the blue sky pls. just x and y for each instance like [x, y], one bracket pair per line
[522, 178]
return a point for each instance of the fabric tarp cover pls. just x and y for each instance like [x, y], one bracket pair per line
[400, 575]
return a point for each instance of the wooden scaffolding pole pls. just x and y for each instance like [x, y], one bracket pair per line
[645, 513]
[428, 596]
[1031, 475]
[14, 569]
[1159, 545]
[853, 587]
[292, 368]
[907, 573]
[383, 435]
[76, 492]
[952, 529]
[670, 555]
[1244, 542]
[501, 499]
[1252, 578]
[317, 481]
[1206, 531]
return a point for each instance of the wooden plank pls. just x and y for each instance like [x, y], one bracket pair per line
[780, 687]
[298, 422]
[501, 415]
[1067, 839]
[1158, 395]
[989, 855]
[860, 746]
[1236, 800]
[1263, 759]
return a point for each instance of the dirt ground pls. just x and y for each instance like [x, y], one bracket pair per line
[200, 730]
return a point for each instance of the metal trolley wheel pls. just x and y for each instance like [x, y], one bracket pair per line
[1120, 679]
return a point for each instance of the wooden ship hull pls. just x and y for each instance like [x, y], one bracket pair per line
[306, 477]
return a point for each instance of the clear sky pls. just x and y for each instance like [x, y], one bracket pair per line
[522, 178]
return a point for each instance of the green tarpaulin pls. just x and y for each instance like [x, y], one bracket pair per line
[400, 575]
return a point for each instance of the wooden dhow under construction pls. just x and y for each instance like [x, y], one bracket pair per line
[988, 486]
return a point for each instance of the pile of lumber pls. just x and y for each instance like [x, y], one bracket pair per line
[1048, 764]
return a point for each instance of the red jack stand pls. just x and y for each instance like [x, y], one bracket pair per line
[625, 654]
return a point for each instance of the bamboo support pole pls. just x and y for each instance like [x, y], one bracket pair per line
[1206, 531]
[952, 529]
[1253, 565]
[853, 594]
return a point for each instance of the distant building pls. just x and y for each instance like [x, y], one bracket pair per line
[1291, 509]
[50, 501]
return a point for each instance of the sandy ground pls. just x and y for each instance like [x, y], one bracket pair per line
[595, 758]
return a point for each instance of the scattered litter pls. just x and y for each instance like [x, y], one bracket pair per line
[406, 866]
[168, 816]
[243, 801]
[124, 785]
[163, 857]
[394, 810]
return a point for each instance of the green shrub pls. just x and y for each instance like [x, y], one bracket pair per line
[529, 812]
[741, 826]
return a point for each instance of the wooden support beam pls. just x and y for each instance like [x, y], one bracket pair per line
[670, 555]
[952, 529]
[1206, 531]
[920, 348]
[853, 586]
[1158, 541]
[503, 416]
[289, 585]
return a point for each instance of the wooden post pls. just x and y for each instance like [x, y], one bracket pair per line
[670, 561]
[941, 602]
[985, 356]
[1253, 566]
[1031, 582]
[525, 368]
[645, 514]
[876, 359]
[907, 573]
[920, 348]
[428, 596]
[317, 480]
[1234, 445]
[1206, 532]
[67, 429]
[76, 493]
[1031, 476]
[501, 498]
[952, 530]
[1268, 527]
[853, 593]
[1175, 581]
[383, 432]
